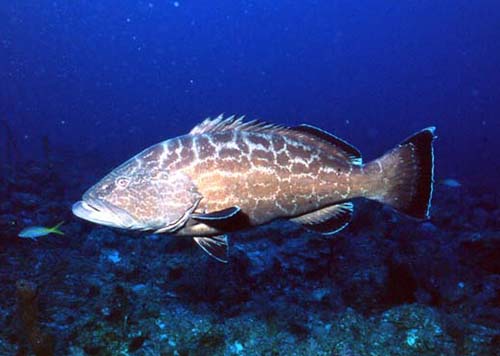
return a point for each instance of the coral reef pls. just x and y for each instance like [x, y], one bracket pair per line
[387, 285]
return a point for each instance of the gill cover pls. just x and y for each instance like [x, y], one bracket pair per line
[178, 196]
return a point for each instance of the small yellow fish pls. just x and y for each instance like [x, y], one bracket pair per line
[33, 232]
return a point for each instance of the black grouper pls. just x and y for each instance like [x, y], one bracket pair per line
[227, 174]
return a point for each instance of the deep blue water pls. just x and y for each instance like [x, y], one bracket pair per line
[109, 78]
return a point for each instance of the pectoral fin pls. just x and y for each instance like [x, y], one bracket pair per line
[176, 225]
[217, 215]
[329, 220]
[225, 220]
[215, 246]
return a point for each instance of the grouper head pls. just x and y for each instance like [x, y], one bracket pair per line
[140, 195]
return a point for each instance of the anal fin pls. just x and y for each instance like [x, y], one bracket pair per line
[329, 220]
[215, 246]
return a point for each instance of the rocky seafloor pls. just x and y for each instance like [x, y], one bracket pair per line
[387, 285]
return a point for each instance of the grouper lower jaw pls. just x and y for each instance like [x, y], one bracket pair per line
[104, 214]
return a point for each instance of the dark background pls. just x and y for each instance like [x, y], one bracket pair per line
[104, 79]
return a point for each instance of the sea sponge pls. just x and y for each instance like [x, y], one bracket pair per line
[41, 343]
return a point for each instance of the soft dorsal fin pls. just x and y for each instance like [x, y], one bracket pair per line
[215, 246]
[329, 220]
[221, 123]
[352, 152]
[217, 215]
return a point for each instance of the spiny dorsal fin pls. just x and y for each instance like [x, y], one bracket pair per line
[352, 152]
[329, 220]
[215, 246]
[221, 123]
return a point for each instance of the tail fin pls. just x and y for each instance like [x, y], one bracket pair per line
[55, 229]
[404, 176]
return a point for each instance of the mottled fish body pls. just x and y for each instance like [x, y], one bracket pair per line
[227, 174]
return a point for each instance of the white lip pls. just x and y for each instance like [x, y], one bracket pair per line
[101, 214]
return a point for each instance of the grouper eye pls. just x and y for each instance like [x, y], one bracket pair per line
[122, 182]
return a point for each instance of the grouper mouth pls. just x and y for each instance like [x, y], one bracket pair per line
[104, 213]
